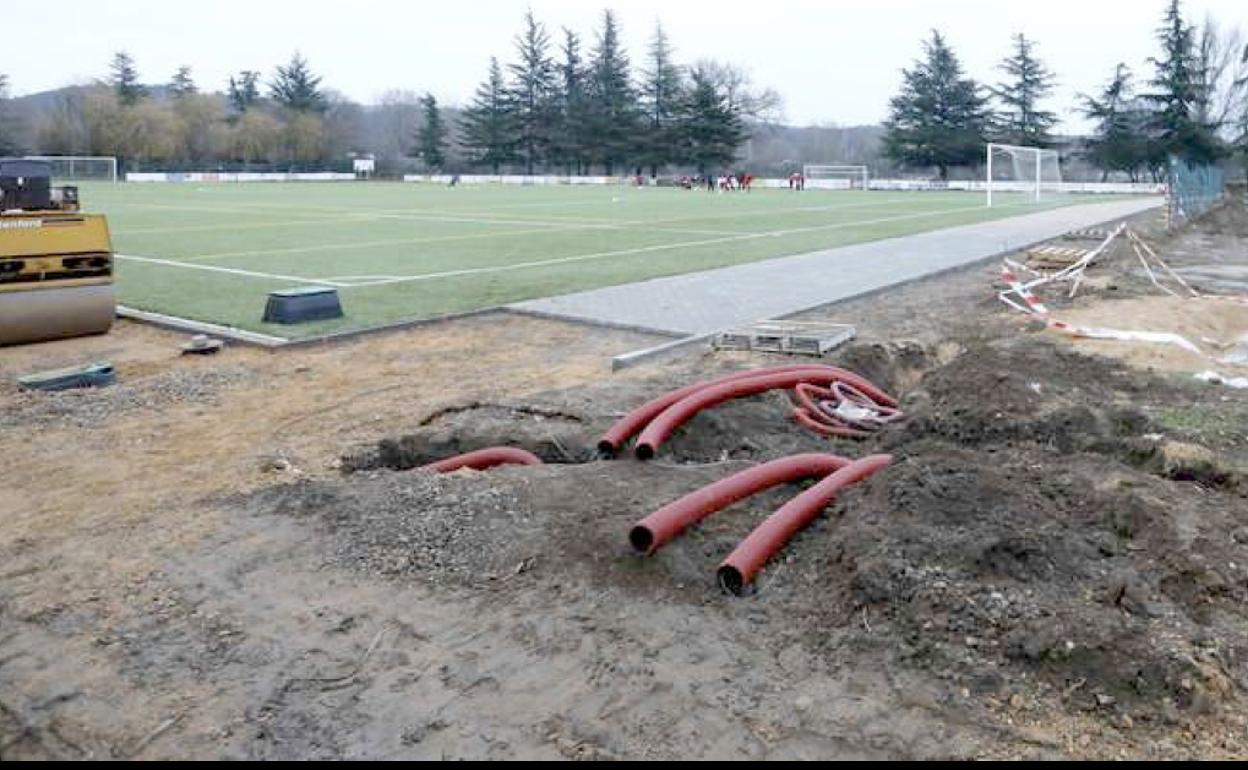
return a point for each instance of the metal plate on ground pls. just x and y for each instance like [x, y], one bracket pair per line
[96, 375]
[802, 338]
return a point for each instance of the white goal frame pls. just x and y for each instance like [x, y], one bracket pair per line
[842, 171]
[110, 160]
[1039, 154]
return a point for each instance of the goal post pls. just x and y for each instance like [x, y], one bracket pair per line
[1033, 171]
[856, 177]
[80, 168]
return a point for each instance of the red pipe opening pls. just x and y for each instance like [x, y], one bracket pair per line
[663, 426]
[662, 526]
[744, 564]
[484, 460]
[634, 422]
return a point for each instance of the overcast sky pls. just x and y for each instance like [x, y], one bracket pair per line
[833, 61]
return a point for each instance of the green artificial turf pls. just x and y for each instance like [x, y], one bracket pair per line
[406, 251]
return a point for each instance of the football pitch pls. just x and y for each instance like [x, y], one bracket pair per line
[398, 252]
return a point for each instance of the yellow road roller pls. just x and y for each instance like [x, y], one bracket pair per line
[56, 263]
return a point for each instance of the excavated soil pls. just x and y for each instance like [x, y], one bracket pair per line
[1025, 538]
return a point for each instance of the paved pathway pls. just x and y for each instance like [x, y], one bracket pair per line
[702, 303]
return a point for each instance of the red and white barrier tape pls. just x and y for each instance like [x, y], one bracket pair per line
[1020, 295]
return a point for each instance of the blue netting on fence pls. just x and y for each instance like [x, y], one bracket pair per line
[1194, 189]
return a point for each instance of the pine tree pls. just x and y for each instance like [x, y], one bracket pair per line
[244, 91]
[940, 118]
[1022, 121]
[662, 91]
[182, 84]
[534, 93]
[124, 79]
[710, 128]
[488, 124]
[431, 138]
[1118, 142]
[1178, 93]
[613, 109]
[572, 132]
[296, 88]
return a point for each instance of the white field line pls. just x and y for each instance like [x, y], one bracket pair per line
[554, 224]
[357, 278]
[209, 209]
[260, 226]
[440, 239]
[370, 244]
[484, 216]
[552, 204]
[363, 218]
[662, 247]
[233, 271]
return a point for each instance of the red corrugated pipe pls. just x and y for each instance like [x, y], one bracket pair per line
[660, 527]
[663, 426]
[635, 421]
[804, 418]
[744, 564]
[484, 459]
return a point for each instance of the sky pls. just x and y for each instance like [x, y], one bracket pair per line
[834, 62]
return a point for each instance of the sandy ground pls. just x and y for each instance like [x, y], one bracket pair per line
[225, 557]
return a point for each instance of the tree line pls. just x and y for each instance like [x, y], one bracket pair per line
[1194, 106]
[567, 108]
[561, 104]
[290, 119]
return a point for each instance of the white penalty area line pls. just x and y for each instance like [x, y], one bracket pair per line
[235, 271]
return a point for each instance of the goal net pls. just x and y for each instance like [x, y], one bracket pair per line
[1022, 174]
[69, 169]
[837, 177]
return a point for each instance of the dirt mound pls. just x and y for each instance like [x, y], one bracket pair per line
[1037, 526]
[1030, 525]
[1231, 218]
[440, 529]
[1034, 564]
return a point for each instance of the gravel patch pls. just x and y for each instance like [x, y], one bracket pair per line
[94, 407]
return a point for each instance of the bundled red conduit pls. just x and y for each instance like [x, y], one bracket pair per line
[484, 460]
[665, 424]
[634, 422]
[658, 529]
[730, 386]
[841, 410]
